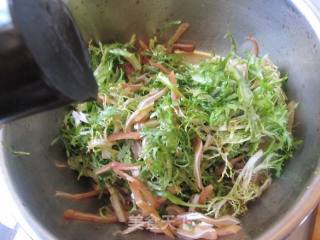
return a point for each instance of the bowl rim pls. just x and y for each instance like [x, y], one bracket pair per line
[310, 198]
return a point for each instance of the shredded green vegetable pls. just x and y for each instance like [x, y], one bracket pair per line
[15, 152]
[235, 104]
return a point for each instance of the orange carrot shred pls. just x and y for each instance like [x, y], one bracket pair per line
[160, 67]
[77, 196]
[71, 214]
[205, 194]
[123, 135]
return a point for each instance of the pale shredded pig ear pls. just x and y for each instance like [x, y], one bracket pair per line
[198, 155]
[116, 203]
[194, 200]
[79, 117]
[199, 231]
[217, 222]
[143, 108]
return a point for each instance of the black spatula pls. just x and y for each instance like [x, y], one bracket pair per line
[43, 60]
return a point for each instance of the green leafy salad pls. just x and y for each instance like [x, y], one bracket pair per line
[178, 132]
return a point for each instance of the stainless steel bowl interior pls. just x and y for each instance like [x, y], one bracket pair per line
[283, 31]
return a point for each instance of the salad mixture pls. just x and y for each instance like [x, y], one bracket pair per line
[180, 133]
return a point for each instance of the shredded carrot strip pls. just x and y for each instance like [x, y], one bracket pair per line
[77, 196]
[116, 166]
[160, 67]
[255, 45]
[186, 47]
[147, 194]
[205, 194]
[71, 214]
[132, 87]
[141, 195]
[149, 211]
[143, 45]
[176, 36]
[128, 69]
[124, 175]
[124, 135]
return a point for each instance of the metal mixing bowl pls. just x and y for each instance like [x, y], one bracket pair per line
[288, 30]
